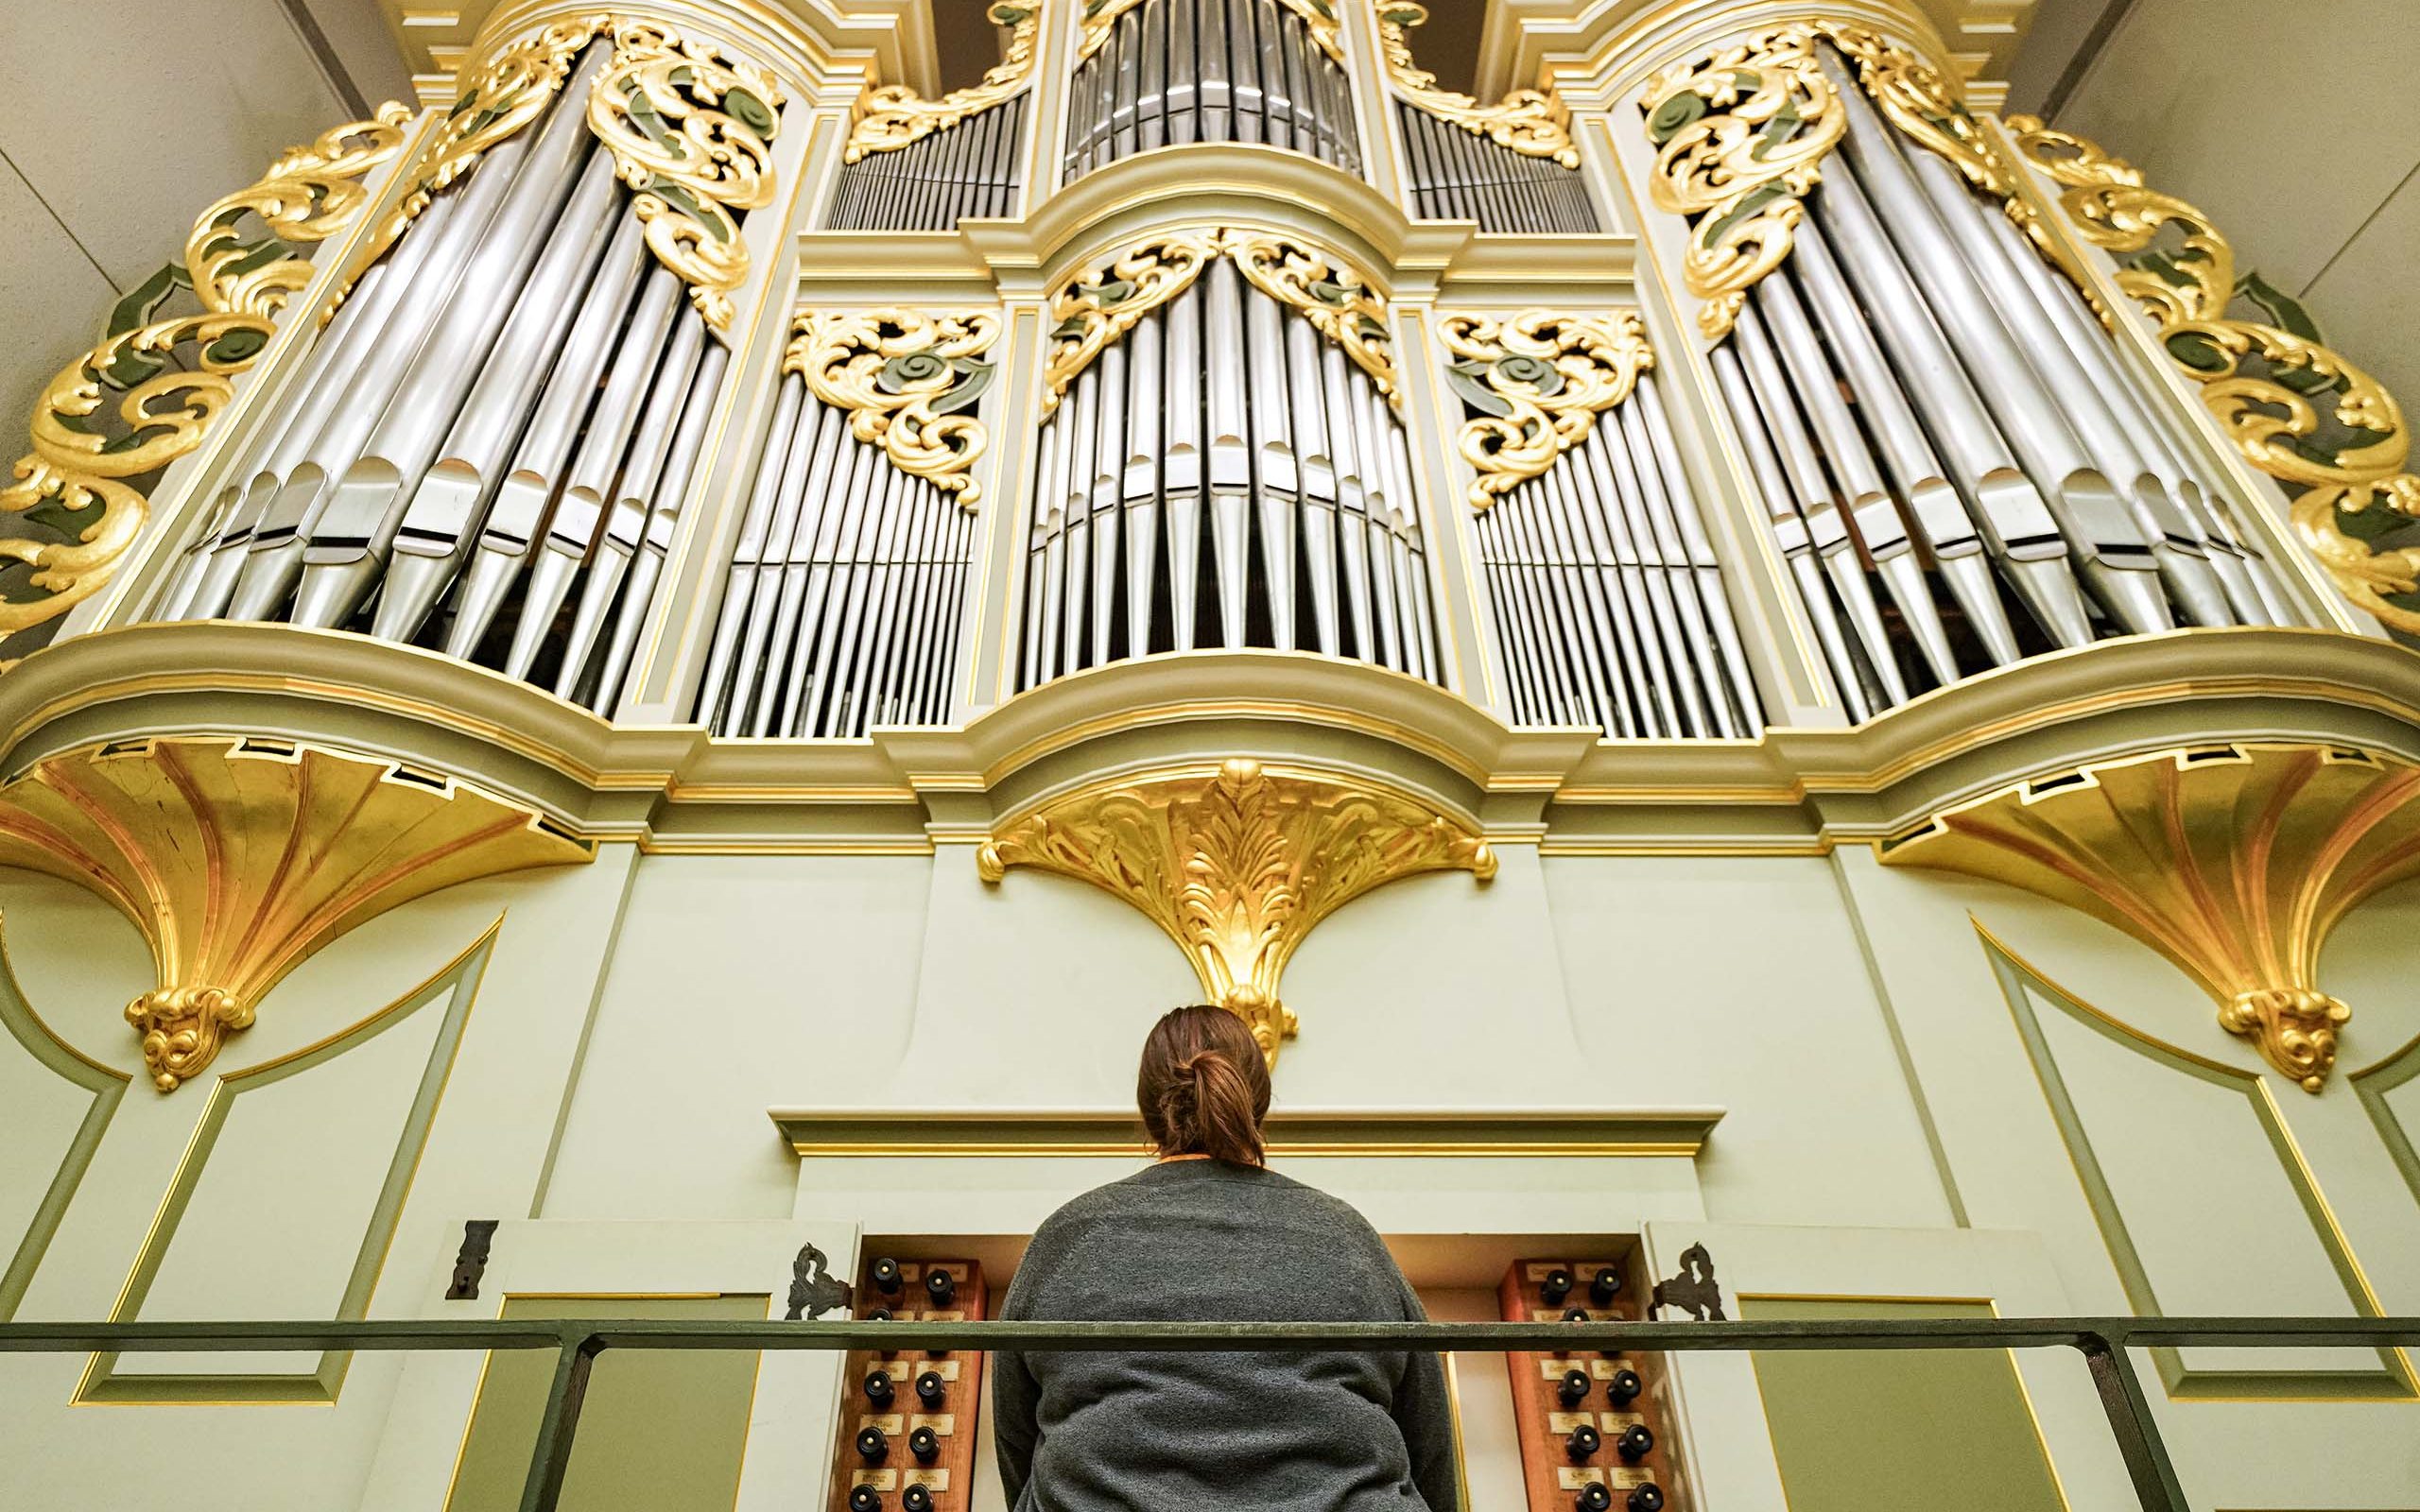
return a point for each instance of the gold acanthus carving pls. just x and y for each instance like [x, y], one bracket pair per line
[1530, 122]
[903, 376]
[1318, 16]
[164, 405]
[894, 115]
[1239, 863]
[1741, 136]
[1094, 309]
[238, 859]
[1540, 379]
[688, 128]
[2264, 382]
[2233, 861]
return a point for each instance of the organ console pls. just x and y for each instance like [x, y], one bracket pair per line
[1578, 1451]
[942, 1391]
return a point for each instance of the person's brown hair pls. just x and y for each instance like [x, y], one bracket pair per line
[1203, 1088]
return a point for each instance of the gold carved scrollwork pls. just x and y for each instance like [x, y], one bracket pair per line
[2267, 382]
[1740, 136]
[903, 376]
[308, 194]
[1237, 864]
[1530, 122]
[1093, 310]
[894, 115]
[238, 859]
[1100, 18]
[1539, 381]
[689, 131]
[2235, 862]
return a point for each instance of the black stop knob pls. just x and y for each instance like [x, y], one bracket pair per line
[878, 1389]
[931, 1389]
[886, 1276]
[1605, 1285]
[1573, 1389]
[879, 1314]
[1593, 1497]
[874, 1445]
[925, 1445]
[1583, 1442]
[940, 1286]
[918, 1497]
[1624, 1388]
[1635, 1443]
[1648, 1497]
[1555, 1286]
[864, 1499]
[1575, 1314]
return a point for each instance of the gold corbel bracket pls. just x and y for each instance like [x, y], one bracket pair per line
[1539, 380]
[903, 376]
[238, 859]
[1239, 863]
[2233, 861]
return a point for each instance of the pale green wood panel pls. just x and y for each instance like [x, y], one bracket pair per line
[1907, 1431]
[661, 1428]
[58, 1104]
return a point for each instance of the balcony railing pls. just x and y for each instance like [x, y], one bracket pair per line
[2104, 1341]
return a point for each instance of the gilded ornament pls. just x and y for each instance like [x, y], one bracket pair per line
[164, 402]
[1326, 290]
[2233, 861]
[1237, 864]
[2293, 407]
[1100, 18]
[894, 115]
[904, 377]
[690, 133]
[1739, 137]
[1092, 311]
[1539, 380]
[238, 859]
[1530, 122]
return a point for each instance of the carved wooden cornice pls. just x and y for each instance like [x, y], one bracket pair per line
[238, 859]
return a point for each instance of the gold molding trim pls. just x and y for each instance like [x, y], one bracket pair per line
[894, 115]
[1098, 307]
[2234, 860]
[1237, 864]
[1539, 379]
[1529, 121]
[307, 194]
[1518, 1132]
[903, 375]
[238, 859]
[2264, 382]
[1327, 29]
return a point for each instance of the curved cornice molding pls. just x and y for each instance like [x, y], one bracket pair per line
[813, 44]
[673, 788]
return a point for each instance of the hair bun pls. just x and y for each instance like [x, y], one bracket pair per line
[1203, 1088]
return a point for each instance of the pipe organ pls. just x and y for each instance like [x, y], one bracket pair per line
[1223, 465]
[1511, 166]
[918, 165]
[1166, 73]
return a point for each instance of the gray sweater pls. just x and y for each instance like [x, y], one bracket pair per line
[1201, 1241]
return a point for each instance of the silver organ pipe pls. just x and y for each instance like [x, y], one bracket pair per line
[1458, 175]
[1224, 477]
[491, 442]
[966, 169]
[1163, 73]
[848, 579]
[1957, 468]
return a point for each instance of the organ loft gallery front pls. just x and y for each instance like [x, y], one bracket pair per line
[628, 684]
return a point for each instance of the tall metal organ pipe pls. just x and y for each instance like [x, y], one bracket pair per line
[491, 440]
[1458, 175]
[1933, 416]
[964, 169]
[1224, 477]
[1170, 71]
